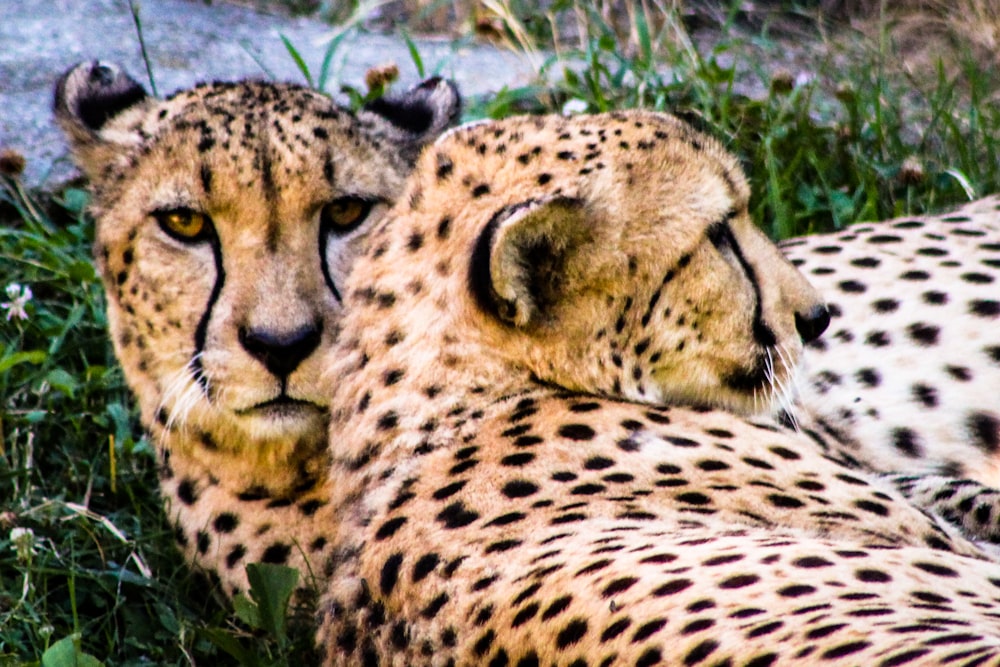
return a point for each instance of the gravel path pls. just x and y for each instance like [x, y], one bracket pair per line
[190, 41]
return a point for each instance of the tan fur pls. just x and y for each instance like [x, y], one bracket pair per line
[262, 161]
[508, 486]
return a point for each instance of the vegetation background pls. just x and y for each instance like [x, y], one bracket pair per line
[841, 110]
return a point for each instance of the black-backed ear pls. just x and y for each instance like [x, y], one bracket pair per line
[89, 96]
[418, 116]
[518, 269]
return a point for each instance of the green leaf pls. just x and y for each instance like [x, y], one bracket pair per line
[82, 272]
[66, 653]
[228, 643]
[271, 587]
[299, 62]
[75, 200]
[30, 357]
[414, 54]
[62, 381]
[247, 611]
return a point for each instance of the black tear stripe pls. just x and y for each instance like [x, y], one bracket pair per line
[720, 234]
[324, 265]
[201, 333]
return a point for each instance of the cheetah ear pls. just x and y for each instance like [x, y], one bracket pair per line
[418, 116]
[89, 98]
[519, 262]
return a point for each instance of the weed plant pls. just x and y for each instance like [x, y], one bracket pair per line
[88, 569]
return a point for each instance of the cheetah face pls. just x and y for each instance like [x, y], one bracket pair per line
[227, 217]
[611, 255]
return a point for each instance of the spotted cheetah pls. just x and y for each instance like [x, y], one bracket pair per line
[227, 216]
[908, 377]
[529, 463]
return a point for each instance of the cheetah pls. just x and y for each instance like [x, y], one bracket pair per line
[543, 442]
[908, 378]
[226, 218]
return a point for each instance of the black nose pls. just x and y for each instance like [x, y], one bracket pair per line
[812, 323]
[281, 352]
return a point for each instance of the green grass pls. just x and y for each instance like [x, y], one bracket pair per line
[85, 550]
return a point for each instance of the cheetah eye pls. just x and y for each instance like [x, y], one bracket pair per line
[184, 224]
[345, 214]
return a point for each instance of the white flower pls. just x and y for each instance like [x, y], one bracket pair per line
[574, 106]
[19, 298]
[23, 542]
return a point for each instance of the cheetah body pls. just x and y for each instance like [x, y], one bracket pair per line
[528, 465]
[907, 378]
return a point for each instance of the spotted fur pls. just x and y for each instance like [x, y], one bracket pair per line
[222, 241]
[529, 465]
[908, 377]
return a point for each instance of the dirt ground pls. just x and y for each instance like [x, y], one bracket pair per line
[190, 41]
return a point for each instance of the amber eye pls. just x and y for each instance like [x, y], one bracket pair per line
[184, 224]
[344, 214]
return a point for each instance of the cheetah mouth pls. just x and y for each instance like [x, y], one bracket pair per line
[754, 379]
[282, 407]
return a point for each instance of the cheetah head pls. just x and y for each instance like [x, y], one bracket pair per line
[611, 255]
[227, 216]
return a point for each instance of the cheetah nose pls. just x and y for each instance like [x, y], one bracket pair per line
[812, 323]
[281, 352]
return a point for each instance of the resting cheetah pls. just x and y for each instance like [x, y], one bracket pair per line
[227, 216]
[509, 484]
[908, 378]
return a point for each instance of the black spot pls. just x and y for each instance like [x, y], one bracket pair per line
[694, 498]
[558, 606]
[434, 606]
[915, 275]
[935, 569]
[619, 585]
[186, 491]
[526, 614]
[701, 651]
[449, 490]
[425, 565]
[935, 298]
[276, 554]
[844, 649]
[872, 506]
[519, 459]
[984, 307]
[796, 590]
[885, 305]
[984, 428]
[872, 576]
[204, 541]
[389, 528]
[925, 394]
[502, 545]
[739, 581]
[907, 441]
[877, 339]
[519, 488]
[387, 421]
[578, 432]
[598, 463]
[648, 629]
[390, 573]
[785, 502]
[852, 287]
[866, 262]
[480, 190]
[977, 278]
[225, 522]
[924, 334]
[868, 377]
[235, 555]
[456, 515]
